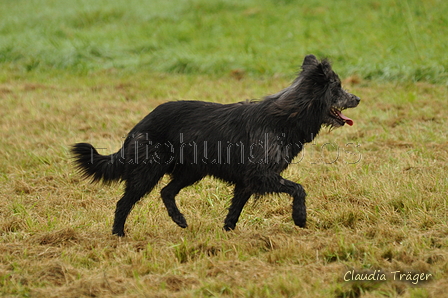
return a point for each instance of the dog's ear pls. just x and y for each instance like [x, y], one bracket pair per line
[310, 60]
[326, 67]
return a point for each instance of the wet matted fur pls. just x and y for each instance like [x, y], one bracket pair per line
[247, 144]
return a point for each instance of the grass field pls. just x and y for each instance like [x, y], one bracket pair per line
[75, 71]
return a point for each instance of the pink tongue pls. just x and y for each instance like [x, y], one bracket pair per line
[345, 118]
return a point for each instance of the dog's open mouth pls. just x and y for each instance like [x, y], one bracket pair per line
[340, 118]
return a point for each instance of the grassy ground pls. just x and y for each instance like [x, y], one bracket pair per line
[377, 190]
[388, 39]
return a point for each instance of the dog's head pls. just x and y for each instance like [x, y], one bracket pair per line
[326, 83]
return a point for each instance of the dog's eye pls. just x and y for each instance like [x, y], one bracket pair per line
[336, 89]
[337, 85]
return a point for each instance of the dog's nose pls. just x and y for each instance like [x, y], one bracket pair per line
[357, 99]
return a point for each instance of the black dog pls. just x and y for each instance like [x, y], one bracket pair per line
[247, 144]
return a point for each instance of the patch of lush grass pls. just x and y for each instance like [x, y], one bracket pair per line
[388, 40]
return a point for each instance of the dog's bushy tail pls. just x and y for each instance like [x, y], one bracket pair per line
[91, 164]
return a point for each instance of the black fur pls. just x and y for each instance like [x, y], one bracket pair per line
[247, 144]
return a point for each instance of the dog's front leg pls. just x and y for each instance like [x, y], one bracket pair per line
[241, 195]
[298, 200]
[299, 209]
[274, 183]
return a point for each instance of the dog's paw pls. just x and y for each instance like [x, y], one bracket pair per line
[299, 217]
[299, 212]
[300, 222]
[228, 227]
[182, 225]
[180, 221]
[118, 233]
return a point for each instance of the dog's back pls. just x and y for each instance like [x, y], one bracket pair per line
[193, 136]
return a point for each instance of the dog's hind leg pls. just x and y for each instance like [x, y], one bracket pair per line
[170, 191]
[240, 198]
[136, 187]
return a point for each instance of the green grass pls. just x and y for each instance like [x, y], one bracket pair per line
[388, 40]
[75, 71]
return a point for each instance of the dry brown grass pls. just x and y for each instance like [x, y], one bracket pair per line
[386, 212]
